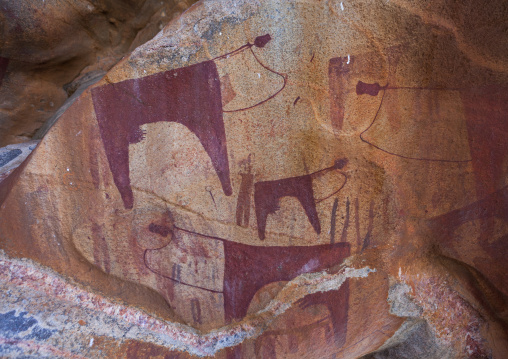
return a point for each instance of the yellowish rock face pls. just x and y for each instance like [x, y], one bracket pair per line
[250, 143]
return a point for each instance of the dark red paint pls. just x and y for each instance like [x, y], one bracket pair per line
[94, 167]
[363, 88]
[159, 229]
[293, 343]
[339, 72]
[485, 211]
[175, 274]
[486, 112]
[296, 338]
[366, 242]
[267, 348]
[190, 96]
[267, 195]
[261, 41]
[333, 220]
[336, 301]
[196, 311]
[136, 350]
[495, 205]
[4, 62]
[243, 203]
[343, 236]
[373, 90]
[249, 268]
[281, 75]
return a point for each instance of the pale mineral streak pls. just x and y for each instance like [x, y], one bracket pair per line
[43, 286]
[12, 156]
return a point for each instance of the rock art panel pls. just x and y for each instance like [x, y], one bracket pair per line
[190, 96]
[257, 178]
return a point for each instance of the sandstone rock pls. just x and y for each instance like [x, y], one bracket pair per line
[279, 180]
[45, 45]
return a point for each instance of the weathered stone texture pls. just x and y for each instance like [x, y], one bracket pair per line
[283, 179]
[48, 48]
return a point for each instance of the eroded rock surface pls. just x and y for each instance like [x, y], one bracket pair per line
[49, 48]
[279, 180]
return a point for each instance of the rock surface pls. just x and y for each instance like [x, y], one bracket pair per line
[12, 156]
[48, 48]
[271, 179]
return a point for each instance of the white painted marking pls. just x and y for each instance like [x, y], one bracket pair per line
[348, 60]
[91, 342]
[342, 6]
[310, 266]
